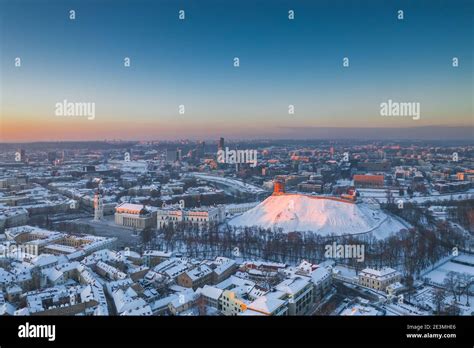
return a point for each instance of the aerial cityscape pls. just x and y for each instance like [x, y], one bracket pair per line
[177, 228]
[236, 159]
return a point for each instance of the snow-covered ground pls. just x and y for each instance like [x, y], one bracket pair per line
[295, 212]
[234, 183]
[345, 273]
[425, 297]
[461, 264]
[380, 195]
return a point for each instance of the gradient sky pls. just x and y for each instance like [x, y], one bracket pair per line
[190, 62]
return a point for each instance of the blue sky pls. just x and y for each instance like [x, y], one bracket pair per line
[189, 62]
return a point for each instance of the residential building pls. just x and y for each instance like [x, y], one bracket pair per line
[231, 304]
[300, 294]
[196, 277]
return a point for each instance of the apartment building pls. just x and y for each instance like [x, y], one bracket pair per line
[300, 294]
[196, 277]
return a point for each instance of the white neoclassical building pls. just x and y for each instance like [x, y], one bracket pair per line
[134, 216]
[379, 279]
[196, 216]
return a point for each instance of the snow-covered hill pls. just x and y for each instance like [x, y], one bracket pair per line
[293, 212]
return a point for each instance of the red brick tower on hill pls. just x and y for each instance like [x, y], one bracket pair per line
[278, 187]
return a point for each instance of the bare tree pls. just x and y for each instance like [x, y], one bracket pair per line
[438, 300]
[451, 283]
[466, 282]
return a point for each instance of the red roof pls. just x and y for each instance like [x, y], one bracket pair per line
[369, 178]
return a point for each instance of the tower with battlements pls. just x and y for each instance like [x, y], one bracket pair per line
[278, 187]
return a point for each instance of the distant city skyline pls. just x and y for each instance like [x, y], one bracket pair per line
[435, 134]
[190, 62]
